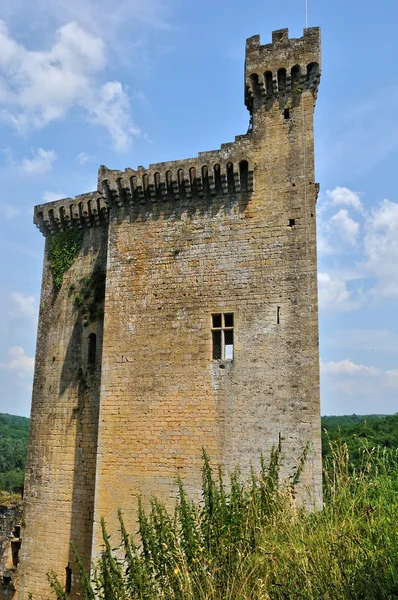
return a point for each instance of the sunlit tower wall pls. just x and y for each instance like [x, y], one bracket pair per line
[188, 319]
[211, 324]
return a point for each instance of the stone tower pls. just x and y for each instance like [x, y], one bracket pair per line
[187, 318]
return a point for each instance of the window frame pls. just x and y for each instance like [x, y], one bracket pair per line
[223, 329]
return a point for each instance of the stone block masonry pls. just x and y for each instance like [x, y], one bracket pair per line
[187, 319]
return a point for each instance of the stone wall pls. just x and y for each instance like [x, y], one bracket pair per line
[10, 542]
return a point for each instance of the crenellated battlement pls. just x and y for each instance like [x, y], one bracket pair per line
[86, 210]
[211, 174]
[286, 67]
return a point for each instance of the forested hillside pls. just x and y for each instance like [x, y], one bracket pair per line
[13, 443]
[359, 431]
[355, 430]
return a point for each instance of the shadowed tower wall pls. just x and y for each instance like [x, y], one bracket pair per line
[230, 232]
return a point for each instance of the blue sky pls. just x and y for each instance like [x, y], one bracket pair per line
[132, 82]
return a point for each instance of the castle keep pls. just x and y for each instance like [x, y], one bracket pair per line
[187, 318]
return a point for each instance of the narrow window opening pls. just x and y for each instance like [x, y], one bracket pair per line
[223, 336]
[280, 438]
[181, 184]
[145, 186]
[158, 190]
[217, 179]
[217, 346]
[228, 320]
[292, 222]
[295, 76]
[281, 81]
[244, 175]
[286, 113]
[6, 580]
[217, 320]
[15, 548]
[92, 349]
[169, 184]
[268, 83]
[278, 315]
[230, 178]
[205, 180]
[192, 180]
[68, 579]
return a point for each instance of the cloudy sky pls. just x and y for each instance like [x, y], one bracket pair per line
[132, 82]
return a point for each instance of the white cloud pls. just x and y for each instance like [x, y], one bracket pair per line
[347, 227]
[41, 162]
[19, 363]
[381, 248]
[23, 305]
[39, 87]
[342, 196]
[333, 294]
[82, 158]
[9, 210]
[110, 109]
[347, 367]
[52, 196]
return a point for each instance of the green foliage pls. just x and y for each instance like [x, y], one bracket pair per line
[250, 541]
[359, 432]
[89, 297]
[63, 247]
[14, 432]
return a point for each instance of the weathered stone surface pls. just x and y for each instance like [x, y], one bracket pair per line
[10, 542]
[230, 231]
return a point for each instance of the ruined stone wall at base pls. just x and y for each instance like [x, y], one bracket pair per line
[10, 543]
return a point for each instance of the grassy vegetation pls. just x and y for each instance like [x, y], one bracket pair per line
[14, 433]
[250, 540]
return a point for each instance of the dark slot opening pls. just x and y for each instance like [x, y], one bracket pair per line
[254, 82]
[217, 348]
[205, 180]
[158, 191]
[228, 320]
[169, 184]
[68, 579]
[217, 179]
[145, 186]
[192, 179]
[244, 175]
[6, 580]
[92, 349]
[295, 76]
[181, 185]
[292, 222]
[281, 81]
[286, 113]
[278, 313]
[268, 82]
[17, 531]
[15, 548]
[216, 320]
[230, 178]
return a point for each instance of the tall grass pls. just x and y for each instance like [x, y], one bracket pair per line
[251, 540]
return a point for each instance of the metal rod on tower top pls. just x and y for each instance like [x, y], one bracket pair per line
[306, 13]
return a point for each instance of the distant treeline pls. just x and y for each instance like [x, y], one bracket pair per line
[356, 431]
[13, 444]
[359, 432]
